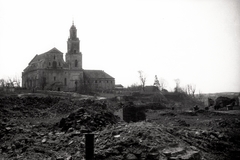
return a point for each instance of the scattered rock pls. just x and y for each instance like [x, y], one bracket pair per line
[131, 156]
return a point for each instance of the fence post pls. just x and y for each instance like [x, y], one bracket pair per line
[89, 146]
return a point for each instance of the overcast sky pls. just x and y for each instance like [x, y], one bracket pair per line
[196, 41]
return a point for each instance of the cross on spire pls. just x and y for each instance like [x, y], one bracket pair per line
[72, 21]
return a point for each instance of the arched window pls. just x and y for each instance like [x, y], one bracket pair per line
[54, 64]
[76, 63]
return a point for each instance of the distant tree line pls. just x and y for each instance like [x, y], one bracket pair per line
[10, 82]
[161, 84]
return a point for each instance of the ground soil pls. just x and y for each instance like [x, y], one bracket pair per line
[54, 128]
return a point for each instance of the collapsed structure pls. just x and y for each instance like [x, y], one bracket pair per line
[49, 70]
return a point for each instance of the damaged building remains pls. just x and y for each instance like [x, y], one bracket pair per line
[49, 71]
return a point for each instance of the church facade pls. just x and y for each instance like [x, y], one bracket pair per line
[49, 71]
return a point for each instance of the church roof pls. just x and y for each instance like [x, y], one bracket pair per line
[96, 74]
[43, 55]
[53, 50]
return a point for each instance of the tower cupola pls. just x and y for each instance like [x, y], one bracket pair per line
[73, 32]
[74, 56]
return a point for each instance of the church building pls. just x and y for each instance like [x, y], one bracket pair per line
[49, 71]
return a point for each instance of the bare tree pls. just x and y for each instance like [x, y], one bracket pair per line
[16, 81]
[191, 88]
[2, 83]
[163, 83]
[177, 88]
[185, 89]
[10, 82]
[200, 96]
[142, 79]
[135, 87]
[156, 83]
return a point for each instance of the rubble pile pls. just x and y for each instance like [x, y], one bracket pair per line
[29, 131]
[36, 102]
[142, 141]
[232, 124]
[26, 141]
[213, 142]
[63, 106]
[15, 107]
[91, 116]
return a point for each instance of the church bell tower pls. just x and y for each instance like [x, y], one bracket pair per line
[73, 55]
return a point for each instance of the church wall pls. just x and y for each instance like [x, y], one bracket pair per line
[64, 79]
[54, 60]
[49, 71]
[75, 80]
[72, 59]
[30, 80]
[100, 84]
[53, 76]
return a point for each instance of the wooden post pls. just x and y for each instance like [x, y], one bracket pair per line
[89, 146]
